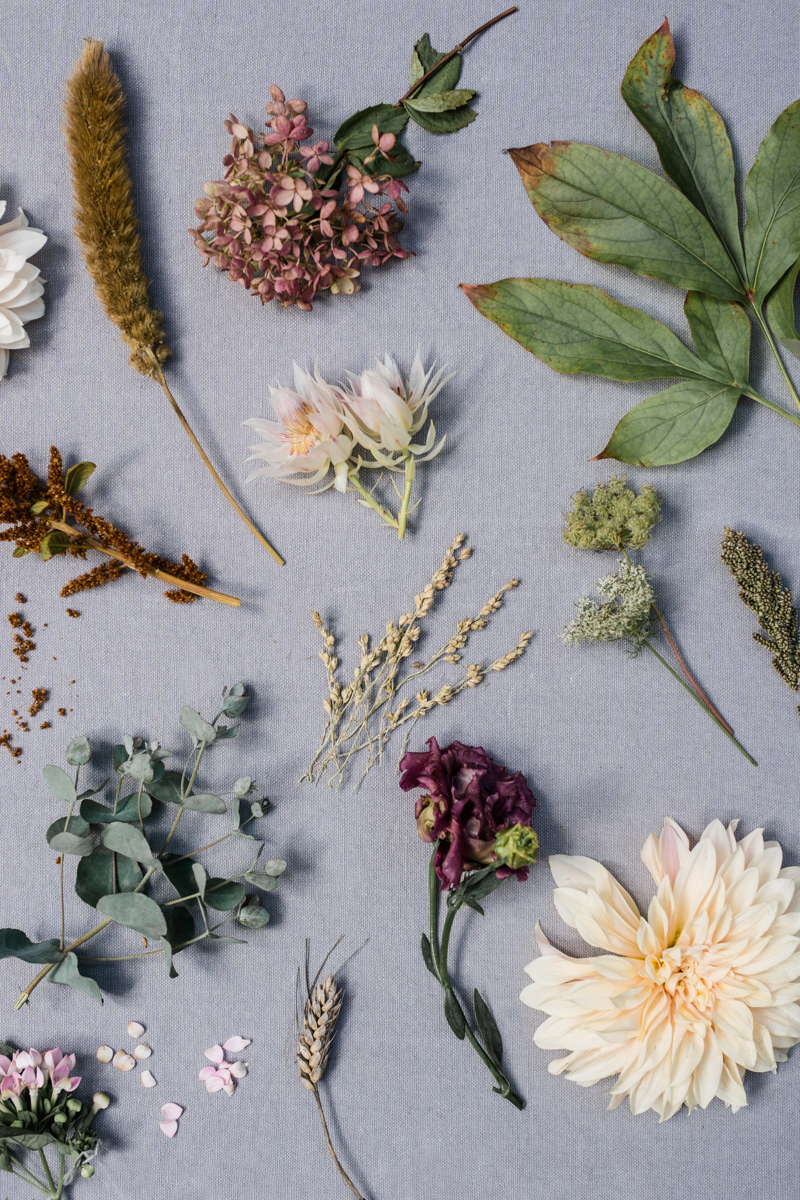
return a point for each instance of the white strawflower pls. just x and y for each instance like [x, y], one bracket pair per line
[20, 286]
[685, 1001]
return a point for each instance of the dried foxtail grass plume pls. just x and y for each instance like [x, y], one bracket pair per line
[107, 227]
[321, 1010]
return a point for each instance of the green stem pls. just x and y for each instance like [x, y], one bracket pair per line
[747, 390]
[139, 806]
[765, 329]
[29, 1176]
[403, 514]
[433, 892]
[61, 864]
[184, 793]
[373, 503]
[697, 700]
[47, 1173]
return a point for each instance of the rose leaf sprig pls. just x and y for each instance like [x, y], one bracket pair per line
[614, 517]
[39, 1109]
[47, 519]
[107, 227]
[765, 594]
[323, 428]
[363, 714]
[478, 817]
[614, 210]
[123, 877]
[290, 219]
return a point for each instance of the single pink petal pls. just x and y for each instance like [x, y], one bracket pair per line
[171, 1112]
[215, 1085]
[238, 1070]
[236, 1044]
[229, 1088]
[207, 1072]
[169, 1128]
[215, 1054]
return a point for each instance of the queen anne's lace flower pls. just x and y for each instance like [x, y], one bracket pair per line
[688, 999]
[20, 286]
[623, 614]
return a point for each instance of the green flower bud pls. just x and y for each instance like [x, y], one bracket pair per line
[517, 847]
[59, 1118]
[99, 1101]
[73, 1105]
[87, 1172]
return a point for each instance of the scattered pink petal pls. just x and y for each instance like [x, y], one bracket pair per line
[229, 1089]
[236, 1044]
[215, 1084]
[207, 1073]
[171, 1112]
[168, 1128]
[238, 1070]
[215, 1054]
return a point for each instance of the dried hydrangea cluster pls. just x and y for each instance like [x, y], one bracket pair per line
[38, 513]
[764, 593]
[478, 817]
[613, 516]
[623, 613]
[285, 223]
[21, 287]
[324, 427]
[682, 1002]
[364, 713]
[39, 1108]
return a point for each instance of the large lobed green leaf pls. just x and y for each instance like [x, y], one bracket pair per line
[690, 136]
[673, 425]
[772, 197]
[615, 211]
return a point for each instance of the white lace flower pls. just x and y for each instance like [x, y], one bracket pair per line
[688, 999]
[307, 439]
[20, 286]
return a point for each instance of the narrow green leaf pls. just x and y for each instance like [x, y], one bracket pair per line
[442, 122]
[68, 972]
[356, 132]
[96, 876]
[60, 784]
[134, 910]
[454, 1015]
[673, 425]
[427, 955]
[772, 197]
[224, 894]
[54, 543]
[194, 724]
[473, 904]
[690, 136]
[20, 552]
[78, 476]
[200, 879]
[125, 839]
[575, 327]
[15, 944]
[439, 102]
[77, 839]
[780, 311]
[615, 211]
[483, 887]
[721, 334]
[127, 810]
[487, 1027]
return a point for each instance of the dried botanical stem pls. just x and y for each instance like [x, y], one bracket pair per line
[333, 1153]
[457, 50]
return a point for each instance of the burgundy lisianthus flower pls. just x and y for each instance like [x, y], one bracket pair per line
[468, 800]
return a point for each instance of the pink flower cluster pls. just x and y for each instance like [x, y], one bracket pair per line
[283, 223]
[25, 1070]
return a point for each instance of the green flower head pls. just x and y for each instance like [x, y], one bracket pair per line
[612, 517]
[622, 614]
[517, 846]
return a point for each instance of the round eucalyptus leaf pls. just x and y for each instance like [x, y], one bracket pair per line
[76, 839]
[242, 786]
[224, 894]
[78, 752]
[252, 915]
[135, 910]
[102, 872]
[127, 840]
[60, 784]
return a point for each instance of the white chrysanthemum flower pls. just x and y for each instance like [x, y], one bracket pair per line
[687, 1000]
[20, 286]
[309, 436]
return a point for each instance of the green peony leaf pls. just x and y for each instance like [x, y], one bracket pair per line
[68, 972]
[780, 311]
[440, 102]
[96, 875]
[134, 910]
[76, 839]
[15, 944]
[194, 724]
[615, 211]
[487, 1027]
[78, 476]
[224, 894]
[772, 197]
[673, 425]
[721, 334]
[125, 839]
[60, 784]
[690, 136]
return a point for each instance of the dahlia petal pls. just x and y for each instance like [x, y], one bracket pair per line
[30, 311]
[707, 1076]
[693, 882]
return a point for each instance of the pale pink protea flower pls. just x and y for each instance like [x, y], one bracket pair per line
[383, 412]
[20, 286]
[307, 439]
[685, 1001]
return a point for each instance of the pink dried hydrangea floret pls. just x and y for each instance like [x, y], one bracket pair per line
[275, 226]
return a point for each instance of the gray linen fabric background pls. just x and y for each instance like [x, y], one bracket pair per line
[610, 746]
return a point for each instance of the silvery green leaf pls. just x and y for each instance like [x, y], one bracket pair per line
[243, 786]
[128, 840]
[15, 944]
[240, 833]
[127, 742]
[194, 724]
[267, 883]
[235, 702]
[226, 731]
[205, 802]
[78, 752]
[256, 809]
[252, 915]
[135, 910]
[224, 894]
[60, 784]
[233, 809]
[274, 866]
[200, 877]
[68, 972]
[76, 839]
[139, 767]
[101, 873]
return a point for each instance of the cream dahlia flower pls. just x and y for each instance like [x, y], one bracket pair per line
[20, 286]
[688, 999]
